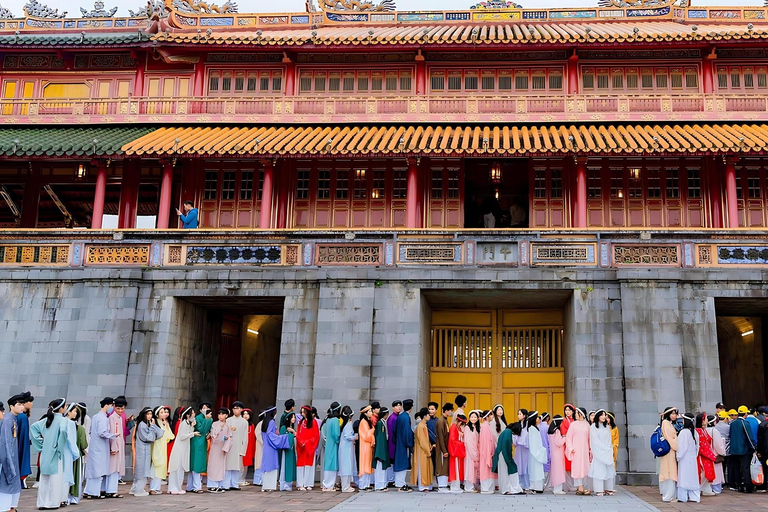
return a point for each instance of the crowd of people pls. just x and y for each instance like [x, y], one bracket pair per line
[706, 452]
[446, 449]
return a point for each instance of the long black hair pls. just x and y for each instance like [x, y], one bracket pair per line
[53, 408]
[476, 427]
[597, 421]
[334, 411]
[365, 418]
[555, 425]
[666, 414]
[287, 420]
[309, 417]
[346, 415]
[268, 417]
[688, 424]
[496, 418]
[516, 428]
[142, 418]
[531, 420]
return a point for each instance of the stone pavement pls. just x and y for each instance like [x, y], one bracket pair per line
[397, 502]
[627, 499]
[728, 501]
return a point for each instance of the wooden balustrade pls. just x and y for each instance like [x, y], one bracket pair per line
[480, 108]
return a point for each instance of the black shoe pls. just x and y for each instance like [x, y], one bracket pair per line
[405, 488]
[233, 489]
[391, 485]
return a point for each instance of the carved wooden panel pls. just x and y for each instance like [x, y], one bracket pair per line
[348, 254]
[116, 255]
[34, 254]
[667, 255]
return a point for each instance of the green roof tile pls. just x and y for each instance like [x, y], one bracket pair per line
[105, 141]
[76, 39]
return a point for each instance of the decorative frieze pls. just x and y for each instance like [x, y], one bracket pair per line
[117, 255]
[666, 255]
[563, 254]
[430, 253]
[712, 255]
[348, 254]
[497, 253]
[229, 255]
[34, 254]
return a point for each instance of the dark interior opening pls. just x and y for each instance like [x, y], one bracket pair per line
[498, 186]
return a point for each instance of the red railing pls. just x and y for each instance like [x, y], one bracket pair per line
[384, 108]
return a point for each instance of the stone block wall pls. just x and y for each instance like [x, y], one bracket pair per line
[636, 340]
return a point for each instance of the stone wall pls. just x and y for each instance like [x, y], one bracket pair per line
[636, 340]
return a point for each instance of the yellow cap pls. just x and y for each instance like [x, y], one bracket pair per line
[732, 412]
[743, 409]
[722, 415]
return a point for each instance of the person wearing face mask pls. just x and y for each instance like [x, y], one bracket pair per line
[97, 470]
[442, 436]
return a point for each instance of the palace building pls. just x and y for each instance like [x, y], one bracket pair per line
[527, 206]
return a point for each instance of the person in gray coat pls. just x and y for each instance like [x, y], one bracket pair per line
[10, 482]
[144, 435]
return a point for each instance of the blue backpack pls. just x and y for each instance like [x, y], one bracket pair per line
[659, 445]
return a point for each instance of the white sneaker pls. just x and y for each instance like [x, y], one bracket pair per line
[141, 494]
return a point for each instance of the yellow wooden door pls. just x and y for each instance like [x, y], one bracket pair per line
[513, 358]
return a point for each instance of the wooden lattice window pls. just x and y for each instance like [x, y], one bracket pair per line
[355, 82]
[521, 80]
[234, 82]
[742, 78]
[635, 80]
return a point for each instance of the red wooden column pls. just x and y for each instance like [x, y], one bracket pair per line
[265, 214]
[129, 195]
[715, 192]
[580, 202]
[99, 196]
[573, 74]
[30, 204]
[138, 81]
[730, 191]
[421, 74]
[166, 188]
[412, 195]
[707, 77]
[290, 75]
[283, 184]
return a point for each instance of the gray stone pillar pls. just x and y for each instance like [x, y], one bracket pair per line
[594, 370]
[344, 344]
[701, 358]
[297, 348]
[652, 362]
[400, 368]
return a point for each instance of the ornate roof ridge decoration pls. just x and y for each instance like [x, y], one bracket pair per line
[358, 5]
[202, 7]
[5, 14]
[98, 11]
[35, 9]
[496, 4]
[153, 7]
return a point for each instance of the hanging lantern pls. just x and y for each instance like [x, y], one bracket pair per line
[496, 173]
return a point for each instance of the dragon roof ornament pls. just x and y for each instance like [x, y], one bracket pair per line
[37, 10]
[495, 4]
[153, 7]
[5, 14]
[98, 11]
[357, 5]
[203, 7]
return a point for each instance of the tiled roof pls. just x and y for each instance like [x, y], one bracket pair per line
[67, 141]
[452, 140]
[74, 39]
[485, 33]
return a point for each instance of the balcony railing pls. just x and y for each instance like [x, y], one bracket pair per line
[393, 109]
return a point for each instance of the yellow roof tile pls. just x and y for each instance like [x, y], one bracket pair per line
[451, 140]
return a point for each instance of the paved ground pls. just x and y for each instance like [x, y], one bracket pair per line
[623, 501]
[627, 499]
[728, 501]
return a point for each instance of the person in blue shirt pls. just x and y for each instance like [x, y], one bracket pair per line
[189, 217]
[743, 444]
